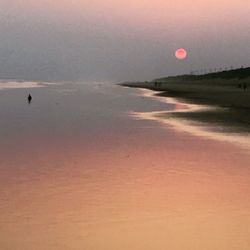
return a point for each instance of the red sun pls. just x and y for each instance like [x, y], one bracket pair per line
[181, 53]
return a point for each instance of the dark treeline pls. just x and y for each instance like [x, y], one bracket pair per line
[240, 73]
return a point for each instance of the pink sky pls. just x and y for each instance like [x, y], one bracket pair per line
[158, 12]
[202, 27]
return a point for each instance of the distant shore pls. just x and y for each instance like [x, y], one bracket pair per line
[231, 96]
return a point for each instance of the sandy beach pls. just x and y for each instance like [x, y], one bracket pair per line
[230, 103]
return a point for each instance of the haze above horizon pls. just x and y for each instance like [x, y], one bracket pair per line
[120, 40]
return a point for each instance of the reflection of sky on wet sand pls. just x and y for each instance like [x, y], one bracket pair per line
[120, 184]
[178, 106]
[194, 127]
[22, 85]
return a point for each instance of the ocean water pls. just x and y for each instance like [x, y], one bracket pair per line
[84, 166]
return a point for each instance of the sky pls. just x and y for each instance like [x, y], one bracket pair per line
[120, 40]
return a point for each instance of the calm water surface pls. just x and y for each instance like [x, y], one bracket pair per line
[78, 172]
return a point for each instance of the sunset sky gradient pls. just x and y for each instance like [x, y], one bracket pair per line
[120, 40]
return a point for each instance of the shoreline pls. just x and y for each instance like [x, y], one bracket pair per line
[230, 106]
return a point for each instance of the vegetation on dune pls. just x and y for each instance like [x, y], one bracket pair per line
[240, 73]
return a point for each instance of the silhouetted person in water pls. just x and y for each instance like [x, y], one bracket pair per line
[29, 98]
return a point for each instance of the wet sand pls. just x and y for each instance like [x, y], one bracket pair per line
[178, 122]
[78, 171]
[230, 103]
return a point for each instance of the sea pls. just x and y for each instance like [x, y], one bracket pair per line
[93, 166]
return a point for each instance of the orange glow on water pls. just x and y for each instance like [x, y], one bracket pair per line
[132, 196]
